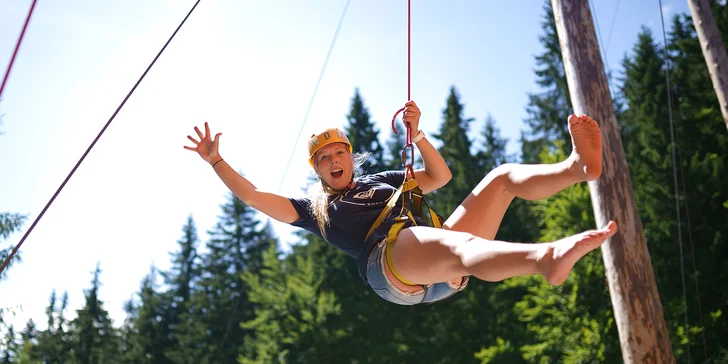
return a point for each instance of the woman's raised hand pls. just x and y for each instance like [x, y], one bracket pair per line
[411, 116]
[205, 147]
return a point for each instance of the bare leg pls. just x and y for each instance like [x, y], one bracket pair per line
[479, 217]
[426, 255]
[482, 211]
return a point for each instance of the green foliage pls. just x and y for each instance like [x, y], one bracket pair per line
[364, 136]
[241, 299]
[94, 338]
[699, 166]
[9, 223]
[549, 109]
[292, 314]
[457, 151]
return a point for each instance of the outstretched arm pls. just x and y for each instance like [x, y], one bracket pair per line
[436, 173]
[273, 205]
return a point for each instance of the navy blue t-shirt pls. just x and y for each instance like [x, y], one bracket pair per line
[352, 213]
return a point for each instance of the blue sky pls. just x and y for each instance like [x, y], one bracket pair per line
[247, 67]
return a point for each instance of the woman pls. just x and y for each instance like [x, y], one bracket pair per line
[422, 264]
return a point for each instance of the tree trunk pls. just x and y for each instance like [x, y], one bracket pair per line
[637, 309]
[713, 51]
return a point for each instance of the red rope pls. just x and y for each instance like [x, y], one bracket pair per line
[17, 46]
[408, 137]
[409, 51]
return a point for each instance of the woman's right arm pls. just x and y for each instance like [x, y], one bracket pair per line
[275, 206]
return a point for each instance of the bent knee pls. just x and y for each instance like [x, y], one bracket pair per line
[499, 178]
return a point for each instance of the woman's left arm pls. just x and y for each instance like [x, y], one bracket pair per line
[435, 173]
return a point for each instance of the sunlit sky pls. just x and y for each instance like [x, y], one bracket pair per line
[247, 67]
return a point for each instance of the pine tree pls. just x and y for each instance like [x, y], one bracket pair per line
[54, 343]
[394, 144]
[147, 332]
[220, 303]
[457, 152]
[9, 223]
[701, 167]
[292, 312]
[363, 135]
[548, 110]
[9, 346]
[181, 280]
[94, 337]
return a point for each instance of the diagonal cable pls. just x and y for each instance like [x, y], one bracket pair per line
[15, 250]
[315, 90]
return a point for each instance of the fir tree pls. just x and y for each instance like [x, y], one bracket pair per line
[220, 303]
[9, 223]
[456, 150]
[394, 144]
[548, 110]
[184, 274]
[55, 343]
[291, 323]
[363, 135]
[147, 333]
[94, 337]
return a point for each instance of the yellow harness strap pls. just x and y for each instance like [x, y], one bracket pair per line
[406, 186]
[391, 238]
[418, 198]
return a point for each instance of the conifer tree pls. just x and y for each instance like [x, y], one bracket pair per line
[700, 165]
[457, 151]
[181, 279]
[393, 151]
[55, 342]
[220, 303]
[147, 333]
[363, 135]
[9, 346]
[291, 313]
[94, 337]
[549, 109]
[9, 223]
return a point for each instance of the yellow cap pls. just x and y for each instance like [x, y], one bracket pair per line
[330, 135]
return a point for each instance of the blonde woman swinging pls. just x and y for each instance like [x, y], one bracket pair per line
[423, 264]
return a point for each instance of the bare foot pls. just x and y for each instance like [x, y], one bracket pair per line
[586, 139]
[561, 256]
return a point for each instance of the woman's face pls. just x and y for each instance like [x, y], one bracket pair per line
[335, 165]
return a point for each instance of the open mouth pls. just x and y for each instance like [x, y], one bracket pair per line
[336, 173]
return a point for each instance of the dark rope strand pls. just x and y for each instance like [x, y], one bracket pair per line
[7, 260]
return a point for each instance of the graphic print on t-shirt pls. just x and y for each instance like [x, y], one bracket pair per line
[374, 196]
[366, 194]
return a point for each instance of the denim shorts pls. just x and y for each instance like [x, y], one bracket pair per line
[380, 283]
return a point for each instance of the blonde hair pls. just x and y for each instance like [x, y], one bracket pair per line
[319, 193]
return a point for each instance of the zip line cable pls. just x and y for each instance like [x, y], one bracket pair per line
[611, 27]
[600, 42]
[315, 90]
[15, 52]
[303, 123]
[15, 250]
[677, 199]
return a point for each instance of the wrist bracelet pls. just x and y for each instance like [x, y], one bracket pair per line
[419, 137]
[214, 164]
